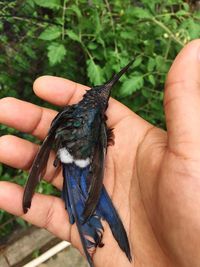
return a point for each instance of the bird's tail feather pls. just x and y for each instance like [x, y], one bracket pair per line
[91, 231]
[106, 210]
[75, 193]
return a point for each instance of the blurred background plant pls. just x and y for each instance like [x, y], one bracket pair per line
[87, 41]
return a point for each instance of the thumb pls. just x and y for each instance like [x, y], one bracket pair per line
[182, 102]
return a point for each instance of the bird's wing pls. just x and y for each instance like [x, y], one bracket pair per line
[95, 177]
[37, 168]
[41, 159]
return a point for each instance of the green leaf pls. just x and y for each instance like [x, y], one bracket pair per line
[31, 3]
[56, 53]
[197, 14]
[97, 22]
[160, 63]
[141, 13]
[76, 9]
[151, 64]
[181, 13]
[137, 62]
[50, 33]
[72, 35]
[1, 26]
[131, 85]
[35, 253]
[21, 222]
[30, 52]
[193, 29]
[152, 79]
[127, 35]
[94, 73]
[51, 4]
[92, 45]
[186, 6]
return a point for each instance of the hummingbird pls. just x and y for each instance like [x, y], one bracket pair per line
[80, 137]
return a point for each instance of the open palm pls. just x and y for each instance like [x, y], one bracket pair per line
[151, 175]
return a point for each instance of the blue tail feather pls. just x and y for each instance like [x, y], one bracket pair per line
[108, 212]
[65, 197]
[75, 194]
[90, 231]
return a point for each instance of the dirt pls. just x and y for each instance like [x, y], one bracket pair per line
[69, 257]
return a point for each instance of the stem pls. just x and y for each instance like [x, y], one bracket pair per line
[154, 72]
[167, 50]
[173, 37]
[28, 18]
[113, 27]
[87, 51]
[172, 14]
[84, 47]
[63, 19]
[7, 222]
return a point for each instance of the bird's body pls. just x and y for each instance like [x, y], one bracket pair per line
[80, 137]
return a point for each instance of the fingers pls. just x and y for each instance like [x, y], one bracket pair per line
[182, 101]
[19, 153]
[46, 211]
[29, 118]
[58, 91]
[16, 152]
[61, 92]
[26, 117]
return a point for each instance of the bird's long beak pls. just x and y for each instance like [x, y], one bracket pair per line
[118, 75]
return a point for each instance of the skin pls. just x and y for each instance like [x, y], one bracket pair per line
[153, 176]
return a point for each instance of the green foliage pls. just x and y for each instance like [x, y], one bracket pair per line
[72, 35]
[87, 41]
[133, 84]
[52, 4]
[56, 53]
[50, 33]
[94, 72]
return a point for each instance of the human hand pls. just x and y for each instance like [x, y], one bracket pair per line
[151, 175]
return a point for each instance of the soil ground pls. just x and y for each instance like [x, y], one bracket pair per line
[69, 257]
